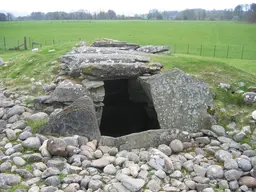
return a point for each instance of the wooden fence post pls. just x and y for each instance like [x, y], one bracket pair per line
[4, 44]
[53, 42]
[29, 42]
[188, 49]
[242, 53]
[174, 48]
[227, 51]
[201, 49]
[214, 50]
[25, 43]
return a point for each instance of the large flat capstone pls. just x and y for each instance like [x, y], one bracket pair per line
[110, 71]
[114, 43]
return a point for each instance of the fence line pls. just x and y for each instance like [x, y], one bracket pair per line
[217, 50]
[209, 50]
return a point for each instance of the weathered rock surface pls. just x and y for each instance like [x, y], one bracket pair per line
[180, 100]
[73, 62]
[66, 91]
[249, 97]
[153, 49]
[78, 118]
[57, 147]
[146, 139]
[114, 43]
[7, 180]
[110, 71]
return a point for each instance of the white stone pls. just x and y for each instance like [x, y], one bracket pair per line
[131, 184]
[254, 115]
[19, 161]
[110, 169]
[34, 189]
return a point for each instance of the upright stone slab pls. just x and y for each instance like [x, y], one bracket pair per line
[77, 119]
[180, 100]
[67, 91]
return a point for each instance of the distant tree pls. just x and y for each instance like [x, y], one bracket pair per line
[188, 14]
[37, 16]
[152, 14]
[10, 16]
[111, 14]
[238, 11]
[253, 7]
[159, 16]
[3, 17]
[228, 14]
[252, 13]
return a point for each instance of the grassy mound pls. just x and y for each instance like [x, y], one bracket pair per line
[229, 105]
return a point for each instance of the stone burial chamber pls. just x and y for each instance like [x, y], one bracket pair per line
[112, 89]
[126, 110]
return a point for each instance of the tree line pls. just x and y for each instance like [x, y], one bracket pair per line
[243, 12]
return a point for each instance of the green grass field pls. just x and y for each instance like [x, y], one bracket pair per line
[25, 65]
[218, 39]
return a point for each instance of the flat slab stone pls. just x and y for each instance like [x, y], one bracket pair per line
[153, 49]
[101, 50]
[145, 139]
[110, 71]
[114, 43]
[71, 62]
[110, 58]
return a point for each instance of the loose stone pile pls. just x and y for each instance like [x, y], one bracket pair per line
[207, 161]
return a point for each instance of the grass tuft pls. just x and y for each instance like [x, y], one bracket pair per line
[36, 125]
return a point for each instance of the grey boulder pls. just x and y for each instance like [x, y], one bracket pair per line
[66, 91]
[15, 110]
[180, 100]
[219, 130]
[40, 116]
[32, 143]
[57, 147]
[130, 183]
[249, 97]
[79, 118]
[7, 180]
[215, 172]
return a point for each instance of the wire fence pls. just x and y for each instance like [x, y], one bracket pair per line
[206, 50]
[218, 50]
[7, 44]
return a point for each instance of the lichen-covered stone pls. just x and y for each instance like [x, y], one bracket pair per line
[78, 118]
[180, 100]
